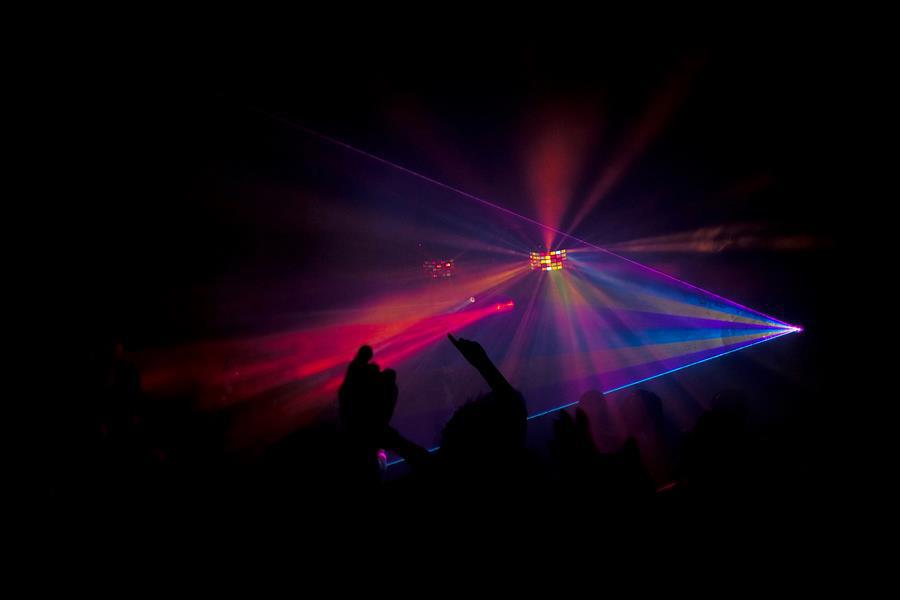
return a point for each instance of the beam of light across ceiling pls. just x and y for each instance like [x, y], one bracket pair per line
[298, 126]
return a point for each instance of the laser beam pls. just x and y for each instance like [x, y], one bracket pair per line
[544, 413]
[300, 127]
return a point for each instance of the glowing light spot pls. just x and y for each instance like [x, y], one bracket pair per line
[547, 261]
[439, 269]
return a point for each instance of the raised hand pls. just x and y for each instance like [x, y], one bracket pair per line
[471, 351]
[367, 398]
[478, 358]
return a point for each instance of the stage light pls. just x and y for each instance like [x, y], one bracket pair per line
[504, 306]
[438, 269]
[548, 261]
[471, 298]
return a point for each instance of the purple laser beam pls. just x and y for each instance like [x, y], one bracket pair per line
[384, 161]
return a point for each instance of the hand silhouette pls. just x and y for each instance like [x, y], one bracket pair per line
[471, 351]
[367, 397]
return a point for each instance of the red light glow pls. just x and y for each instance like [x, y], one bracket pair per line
[438, 269]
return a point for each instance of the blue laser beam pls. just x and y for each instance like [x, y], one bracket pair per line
[400, 460]
[787, 331]
[787, 328]
[697, 362]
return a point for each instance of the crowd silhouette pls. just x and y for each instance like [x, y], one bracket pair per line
[130, 452]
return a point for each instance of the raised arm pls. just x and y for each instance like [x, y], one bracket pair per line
[478, 358]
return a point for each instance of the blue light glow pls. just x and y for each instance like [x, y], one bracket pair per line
[707, 359]
[633, 383]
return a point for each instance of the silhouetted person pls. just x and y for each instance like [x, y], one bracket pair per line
[717, 453]
[587, 475]
[645, 421]
[484, 441]
[607, 429]
[366, 402]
